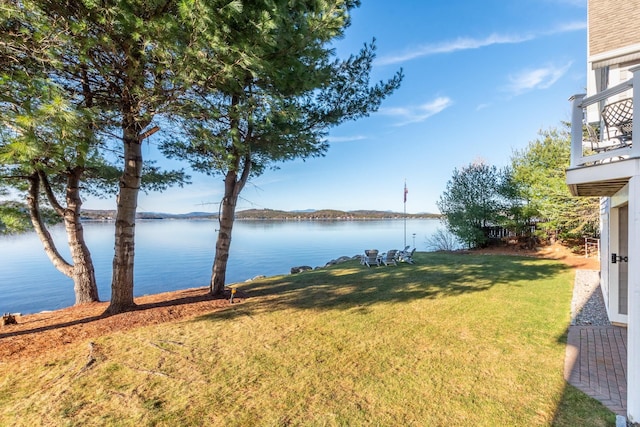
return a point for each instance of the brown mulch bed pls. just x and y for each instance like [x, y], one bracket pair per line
[40, 333]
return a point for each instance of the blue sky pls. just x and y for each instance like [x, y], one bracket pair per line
[481, 79]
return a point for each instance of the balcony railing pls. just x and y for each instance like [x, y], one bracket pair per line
[609, 148]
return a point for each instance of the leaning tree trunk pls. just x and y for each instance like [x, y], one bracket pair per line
[33, 204]
[123, 259]
[232, 188]
[223, 243]
[84, 277]
[233, 185]
[81, 271]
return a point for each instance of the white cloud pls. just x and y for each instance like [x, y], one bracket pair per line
[539, 78]
[416, 114]
[467, 43]
[463, 43]
[346, 138]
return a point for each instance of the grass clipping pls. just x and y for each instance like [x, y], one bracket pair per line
[452, 340]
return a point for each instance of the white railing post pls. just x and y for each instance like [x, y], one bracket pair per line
[577, 115]
[635, 148]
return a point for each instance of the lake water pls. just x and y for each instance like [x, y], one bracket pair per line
[178, 254]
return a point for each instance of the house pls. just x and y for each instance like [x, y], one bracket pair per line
[606, 163]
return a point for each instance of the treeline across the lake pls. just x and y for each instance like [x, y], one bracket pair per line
[268, 214]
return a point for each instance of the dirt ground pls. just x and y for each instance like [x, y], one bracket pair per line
[45, 332]
[555, 251]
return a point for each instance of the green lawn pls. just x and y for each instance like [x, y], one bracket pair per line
[456, 340]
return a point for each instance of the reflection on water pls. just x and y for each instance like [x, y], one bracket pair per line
[178, 254]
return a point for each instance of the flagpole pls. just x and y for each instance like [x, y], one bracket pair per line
[405, 213]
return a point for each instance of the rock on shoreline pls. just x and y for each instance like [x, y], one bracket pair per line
[302, 268]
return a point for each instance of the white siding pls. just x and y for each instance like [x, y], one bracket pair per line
[605, 250]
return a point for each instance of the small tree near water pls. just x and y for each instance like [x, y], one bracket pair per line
[473, 201]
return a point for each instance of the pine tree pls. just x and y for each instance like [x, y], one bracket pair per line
[118, 62]
[277, 90]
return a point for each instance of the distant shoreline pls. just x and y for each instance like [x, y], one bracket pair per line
[268, 215]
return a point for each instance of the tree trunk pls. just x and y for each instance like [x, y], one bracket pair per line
[81, 271]
[33, 204]
[84, 277]
[232, 189]
[123, 259]
[223, 243]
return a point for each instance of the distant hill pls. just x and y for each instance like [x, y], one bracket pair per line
[190, 215]
[106, 215]
[324, 214]
[265, 214]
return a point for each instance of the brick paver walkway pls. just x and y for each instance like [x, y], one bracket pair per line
[596, 364]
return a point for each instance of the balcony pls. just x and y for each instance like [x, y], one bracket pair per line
[603, 157]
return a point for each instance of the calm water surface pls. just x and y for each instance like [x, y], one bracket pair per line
[178, 254]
